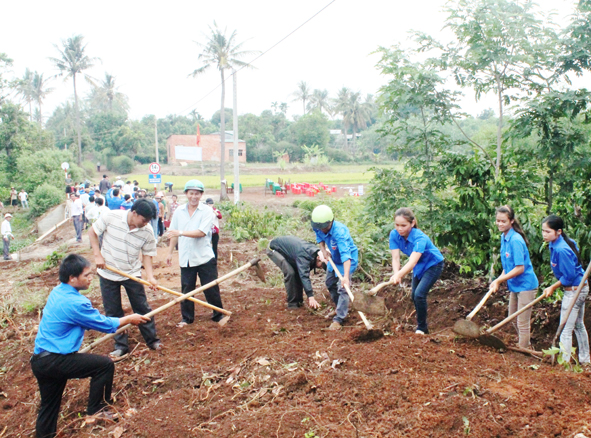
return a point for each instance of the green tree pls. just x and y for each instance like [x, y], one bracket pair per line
[342, 106]
[44, 167]
[25, 90]
[40, 92]
[72, 62]
[221, 51]
[319, 100]
[107, 97]
[311, 129]
[5, 84]
[302, 93]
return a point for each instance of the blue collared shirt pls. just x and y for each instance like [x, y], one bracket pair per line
[514, 252]
[194, 251]
[417, 241]
[564, 263]
[341, 246]
[66, 316]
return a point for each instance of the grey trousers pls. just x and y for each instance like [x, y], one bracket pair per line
[522, 322]
[291, 279]
[575, 323]
[6, 251]
[78, 224]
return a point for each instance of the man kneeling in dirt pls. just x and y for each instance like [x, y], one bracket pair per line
[66, 316]
[296, 258]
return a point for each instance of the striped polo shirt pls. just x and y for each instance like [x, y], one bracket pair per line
[121, 246]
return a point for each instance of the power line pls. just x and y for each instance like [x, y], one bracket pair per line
[261, 55]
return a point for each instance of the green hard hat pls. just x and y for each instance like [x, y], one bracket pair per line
[322, 216]
[194, 184]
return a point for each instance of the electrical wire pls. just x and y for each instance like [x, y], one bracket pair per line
[192, 106]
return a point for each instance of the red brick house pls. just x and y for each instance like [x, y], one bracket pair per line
[184, 148]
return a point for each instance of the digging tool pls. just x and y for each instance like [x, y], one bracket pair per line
[379, 287]
[351, 297]
[492, 341]
[466, 327]
[175, 301]
[570, 309]
[170, 291]
[260, 272]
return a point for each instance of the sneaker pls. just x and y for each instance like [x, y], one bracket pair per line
[118, 354]
[419, 332]
[156, 346]
[335, 326]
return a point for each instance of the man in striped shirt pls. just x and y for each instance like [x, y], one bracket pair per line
[126, 234]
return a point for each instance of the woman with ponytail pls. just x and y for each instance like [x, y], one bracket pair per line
[518, 271]
[565, 261]
[424, 260]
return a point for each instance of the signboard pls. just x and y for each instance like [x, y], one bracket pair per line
[65, 166]
[188, 153]
[154, 168]
[155, 179]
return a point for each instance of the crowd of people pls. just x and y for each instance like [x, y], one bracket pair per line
[125, 240]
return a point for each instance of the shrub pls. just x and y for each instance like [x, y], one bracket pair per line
[144, 158]
[45, 197]
[123, 165]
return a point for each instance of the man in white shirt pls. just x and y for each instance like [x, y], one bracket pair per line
[77, 211]
[7, 235]
[191, 229]
[128, 243]
[24, 198]
[127, 189]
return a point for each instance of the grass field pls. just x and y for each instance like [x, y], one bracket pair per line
[337, 175]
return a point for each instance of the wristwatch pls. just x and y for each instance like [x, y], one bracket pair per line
[180, 233]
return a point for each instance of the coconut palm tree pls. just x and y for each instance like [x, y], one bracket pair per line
[24, 88]
[342, 105]
[106, 96]
[221, 51]
[302, 93]
[359, 114]
[72, 62]
[40, 92]
[320, 100]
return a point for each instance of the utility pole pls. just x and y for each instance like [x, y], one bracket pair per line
[156, 137]
[235, 128]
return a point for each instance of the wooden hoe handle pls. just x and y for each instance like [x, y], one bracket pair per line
[479, 306]
[173, 302]
[170, 291]
[515, 315]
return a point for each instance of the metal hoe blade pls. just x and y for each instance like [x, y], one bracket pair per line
[467, 328]
[492, 341]
[368, 304]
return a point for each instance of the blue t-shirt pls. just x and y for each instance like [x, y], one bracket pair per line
[115, 203]
[417, 241]
[564, 262]
[341, 246]
[514, 252]
[66, 316]
[126, 205]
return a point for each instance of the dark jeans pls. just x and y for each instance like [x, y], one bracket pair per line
[339, 296]
[160, 227]
[111, 292]
[6, 249]
[420, 290]
[215, 238]
[291, 279]
[207, 272]
[52, 373]
[78, 224]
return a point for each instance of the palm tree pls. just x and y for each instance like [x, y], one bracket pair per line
[222, 52]
[195, 116]
[302, 93]
[319, 100]
[106, 95]
[24, 87]
[40, 92]
[283, 107]
[359, 114]
[342, 105]
[72, 62]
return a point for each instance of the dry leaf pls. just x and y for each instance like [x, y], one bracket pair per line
[264, 362]
[117, 432]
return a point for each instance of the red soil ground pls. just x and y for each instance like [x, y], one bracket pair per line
[276, 373]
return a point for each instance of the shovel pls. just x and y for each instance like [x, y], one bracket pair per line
[378, 288]
[173, 302]
[492, 341]
[570, 309]
[466, 327]
[351, 297]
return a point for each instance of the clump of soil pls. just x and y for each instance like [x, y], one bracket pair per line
[366, 335]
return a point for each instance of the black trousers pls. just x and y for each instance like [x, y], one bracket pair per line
[207, 272]
[215, 238]
[52, 373]
[111, 292]
[291, 279]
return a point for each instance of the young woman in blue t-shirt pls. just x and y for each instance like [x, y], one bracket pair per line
[565, 261]
[518, 271]
[425, 260]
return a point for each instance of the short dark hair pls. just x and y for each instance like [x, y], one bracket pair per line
[127, 182]
[115, 192]
[135, 189]
[91, 199]
[72, 266]
[127, 197]
[145, 208]
[104, 176]
[99, 201]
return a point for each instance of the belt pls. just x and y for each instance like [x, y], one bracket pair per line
[571, 288]
[42, 354]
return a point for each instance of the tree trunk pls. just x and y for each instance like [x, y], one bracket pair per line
[77, 122]
[499, 130]
[40, 115]
[223, 190]
[345, 129]
[549, 193]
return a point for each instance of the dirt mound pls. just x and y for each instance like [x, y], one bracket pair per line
[366, 335]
